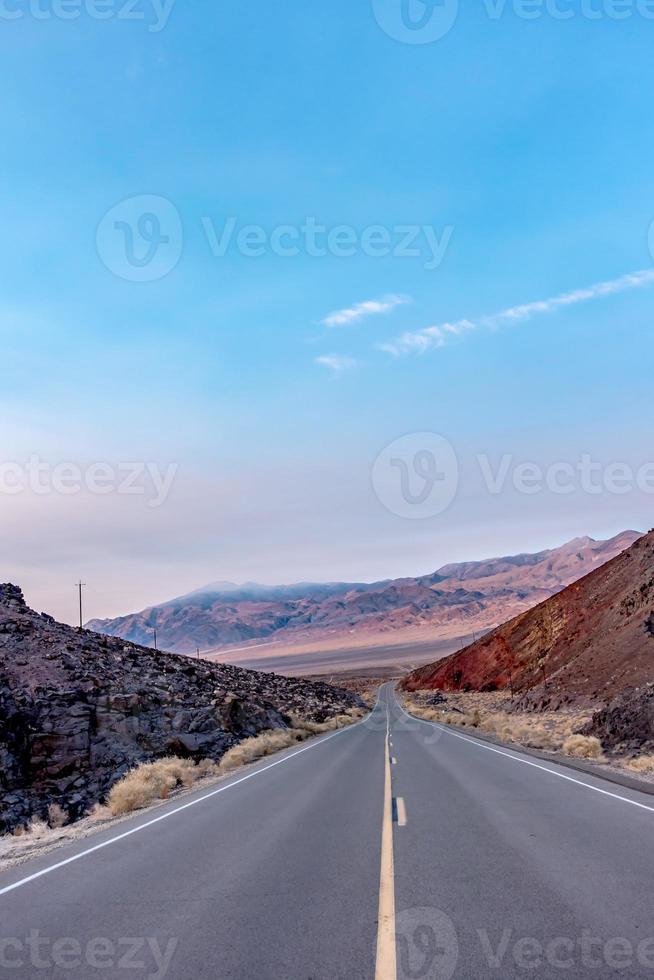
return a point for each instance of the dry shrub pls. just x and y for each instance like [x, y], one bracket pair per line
[266, 743]
[308, 727]
[149, 782]
[207, 767]
[530, 732]
[98, 812]
[419, 711]
[431, 714]
[37, 829]
[643, 763]
[57, 816]
[451, 719]
[583, 747]
[259, 746]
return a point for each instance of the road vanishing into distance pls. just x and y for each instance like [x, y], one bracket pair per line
[392, 849]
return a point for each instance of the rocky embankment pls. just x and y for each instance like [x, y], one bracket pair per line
[626, 725]
[78, 709]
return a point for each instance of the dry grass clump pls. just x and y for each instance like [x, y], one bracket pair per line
[206, 768]
[442, 716]
[427, 714]
[531, 732]
[57, 816]
[583, 747]
[149, 782]
[268, 742]
[259, 746]
[99, 812]
[36, 829]
[642, 763]
[547, 731]
[309, 727]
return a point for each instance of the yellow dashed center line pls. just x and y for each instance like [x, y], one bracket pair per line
[386, 966]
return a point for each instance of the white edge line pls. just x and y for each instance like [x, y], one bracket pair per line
[179, 809]
[526, 762]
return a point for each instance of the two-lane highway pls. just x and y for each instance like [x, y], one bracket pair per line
[392, 849]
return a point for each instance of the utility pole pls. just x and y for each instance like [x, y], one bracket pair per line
[198, 650]
[155, 637]
[79, 587]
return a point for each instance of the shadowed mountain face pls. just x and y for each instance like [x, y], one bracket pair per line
[453, 600]
[590, 642]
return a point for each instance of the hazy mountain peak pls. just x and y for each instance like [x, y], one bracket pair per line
[458, 597]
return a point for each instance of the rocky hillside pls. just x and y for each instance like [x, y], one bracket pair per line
[626, 725]
[77, 710]
[589, 643]
[451, 601]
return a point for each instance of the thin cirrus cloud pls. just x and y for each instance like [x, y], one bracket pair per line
[429, 338]
[359, 311]
[336, 363]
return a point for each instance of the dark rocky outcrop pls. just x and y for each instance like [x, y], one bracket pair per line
[627, 724]
[78, 709]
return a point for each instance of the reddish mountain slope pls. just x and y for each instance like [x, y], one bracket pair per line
[449, 602]
[589, 642]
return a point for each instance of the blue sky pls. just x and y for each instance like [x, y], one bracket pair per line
[526, 143]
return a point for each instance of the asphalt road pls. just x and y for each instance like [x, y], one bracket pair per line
[393, 849]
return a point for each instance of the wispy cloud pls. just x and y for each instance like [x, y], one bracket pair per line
[428, 338]
[370, 307]
[336, 363]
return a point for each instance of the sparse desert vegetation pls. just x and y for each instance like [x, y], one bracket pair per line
[255, 748]
[57, 816]
[558, 732]
[641, 764]
[489, 714]
[583, 747]
[152, 781]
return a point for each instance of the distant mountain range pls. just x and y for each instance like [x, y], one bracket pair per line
[451, 601]
[589, 643]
